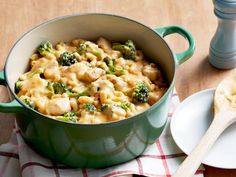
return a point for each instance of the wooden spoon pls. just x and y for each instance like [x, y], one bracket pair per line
[225, 115]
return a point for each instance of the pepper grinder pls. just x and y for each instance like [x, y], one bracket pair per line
[222, 52]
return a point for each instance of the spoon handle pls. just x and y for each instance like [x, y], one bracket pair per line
[193, 161]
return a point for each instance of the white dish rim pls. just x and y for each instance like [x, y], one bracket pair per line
[181, 146]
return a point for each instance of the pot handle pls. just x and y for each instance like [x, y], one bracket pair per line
[180, 57]
[13, 106]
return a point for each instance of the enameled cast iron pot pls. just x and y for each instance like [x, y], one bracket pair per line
[85, 145]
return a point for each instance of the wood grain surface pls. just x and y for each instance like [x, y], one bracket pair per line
[18, 16]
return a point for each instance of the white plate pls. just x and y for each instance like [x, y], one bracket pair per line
[191, 120]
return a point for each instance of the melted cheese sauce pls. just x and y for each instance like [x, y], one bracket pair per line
[90, 74]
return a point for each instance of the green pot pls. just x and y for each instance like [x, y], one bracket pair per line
[85, 145]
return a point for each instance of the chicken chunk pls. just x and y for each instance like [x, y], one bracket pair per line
[154, 96]
[135, 68]
[93, 74]
[151, 72]
[52, 73]
[118, 82]
[58, 106]
[105, 45]
[78, 68]
[115, 112]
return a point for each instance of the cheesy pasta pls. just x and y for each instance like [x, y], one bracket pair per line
[90, 82]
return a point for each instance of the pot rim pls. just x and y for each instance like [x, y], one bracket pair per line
[123, 121]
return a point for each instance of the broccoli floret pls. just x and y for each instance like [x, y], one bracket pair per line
[76, 95]
[67, 59]
[128, 49]
[82, 48]
[57, 88]
[18, 87]
[68, 117]
[140, 93]
[109, 61]
[111, 64]
[98, 54]
[104, 107]
[29, 103]
[125, 105]
[113, 69]
[60, 88]
[45, 47]
[90, 107]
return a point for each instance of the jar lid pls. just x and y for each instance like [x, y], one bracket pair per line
[225, 8]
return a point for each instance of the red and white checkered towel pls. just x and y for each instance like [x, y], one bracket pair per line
[161, 159]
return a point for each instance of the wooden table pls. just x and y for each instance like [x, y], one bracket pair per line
[18, 16]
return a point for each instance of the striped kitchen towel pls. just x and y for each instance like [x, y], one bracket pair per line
[161, 159]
